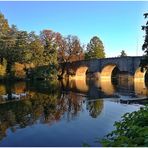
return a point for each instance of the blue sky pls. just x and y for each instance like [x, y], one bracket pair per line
[118, 24]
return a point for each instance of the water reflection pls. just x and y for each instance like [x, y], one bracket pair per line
[79, 84]
[44, 103]
[95, 108]
[106, 86]
[2, 89]
[49, 103]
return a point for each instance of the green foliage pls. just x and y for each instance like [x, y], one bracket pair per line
[22, 53]
[36, 49]
[95, 49]
[50, 47]
[132, 130]
[144, 62]
[43, 72]
[44, 50]
[4, 35]
[22, 47]
[145, 28]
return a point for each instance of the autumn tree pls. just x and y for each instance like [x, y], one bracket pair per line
[70, 50]
[61, 48]
[95, 49]
[45, 50]
[144, 62]
[73, 49]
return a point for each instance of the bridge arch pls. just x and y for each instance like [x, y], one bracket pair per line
[81, 72]
[109, 71]
[141, 76]
[140, 82]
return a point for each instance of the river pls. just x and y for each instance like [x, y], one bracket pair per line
[67, 113]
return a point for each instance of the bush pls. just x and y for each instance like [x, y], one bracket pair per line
[132, 130]
[43, 73]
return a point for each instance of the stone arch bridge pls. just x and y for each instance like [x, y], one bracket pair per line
[105, 68]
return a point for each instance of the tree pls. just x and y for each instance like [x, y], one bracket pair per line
[4, 29]
[26, 49]
[48, 39]
[4, 26]
[61, 48]
[123, 54]
[22, 52]
[19, 52]
[144, 62]
[7, 41]
[95, 49]
[36, 49]
[73, 49]
[70, 49]
[13, 44]
[50, 53]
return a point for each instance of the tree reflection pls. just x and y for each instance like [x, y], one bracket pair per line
[73, 105]
[95, 108]
[44, 103]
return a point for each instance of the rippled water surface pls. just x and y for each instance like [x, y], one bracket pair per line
[68, 113]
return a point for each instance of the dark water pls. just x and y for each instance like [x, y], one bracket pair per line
[64, 113]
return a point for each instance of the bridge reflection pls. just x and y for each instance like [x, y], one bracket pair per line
[94, 89]
[79, 84]
[107, 88]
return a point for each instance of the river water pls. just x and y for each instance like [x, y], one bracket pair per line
[68, 113]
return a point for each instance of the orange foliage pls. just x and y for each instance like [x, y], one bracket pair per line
[19, 69]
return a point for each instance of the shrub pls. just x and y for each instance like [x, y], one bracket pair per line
[132, 130]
